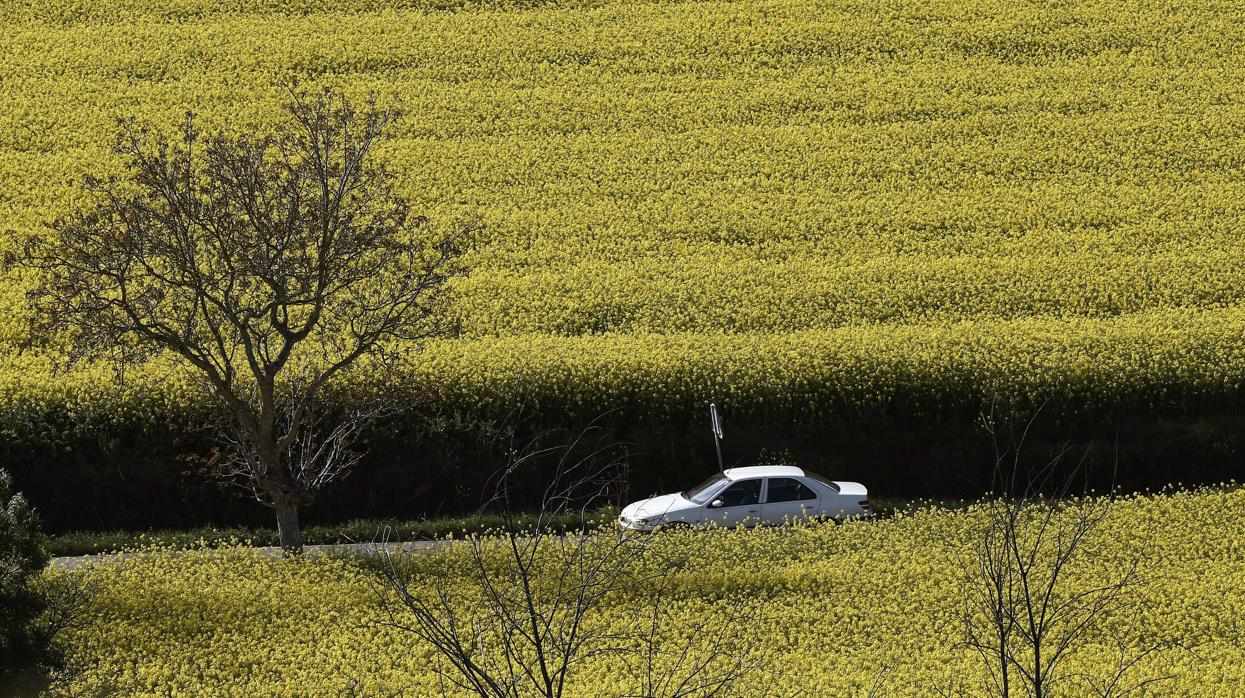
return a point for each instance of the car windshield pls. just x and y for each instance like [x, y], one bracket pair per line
[700, 493]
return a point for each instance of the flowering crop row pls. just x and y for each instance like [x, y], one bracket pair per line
[840, 199]
[828, 611]
[1153, 357]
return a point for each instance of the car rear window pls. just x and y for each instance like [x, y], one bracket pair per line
[822, 480]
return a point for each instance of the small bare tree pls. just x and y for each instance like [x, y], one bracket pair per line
[524, 613]
[710, 659]
[1025, 611]
[270, 265]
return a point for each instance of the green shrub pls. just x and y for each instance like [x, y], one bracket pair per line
[27, 655]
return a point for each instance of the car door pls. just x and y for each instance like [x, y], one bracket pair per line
[788, 499]
[740, 503]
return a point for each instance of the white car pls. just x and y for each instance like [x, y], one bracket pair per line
[768, 494]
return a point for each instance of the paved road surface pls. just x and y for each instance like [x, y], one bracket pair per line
[344, 548]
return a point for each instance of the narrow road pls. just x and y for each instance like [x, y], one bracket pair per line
[415, 546]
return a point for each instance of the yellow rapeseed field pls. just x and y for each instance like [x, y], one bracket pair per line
[881, 198]
[826, 610]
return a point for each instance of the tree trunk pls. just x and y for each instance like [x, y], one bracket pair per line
[287, 526]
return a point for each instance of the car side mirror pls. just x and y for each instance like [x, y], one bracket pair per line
[716, 503]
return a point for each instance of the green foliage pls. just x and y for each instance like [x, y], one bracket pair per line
[26, 654]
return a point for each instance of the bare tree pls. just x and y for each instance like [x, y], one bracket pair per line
[1025, 610]
[710, 659]
[523, 610]
[270, 265]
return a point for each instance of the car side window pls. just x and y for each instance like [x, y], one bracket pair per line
[741, 493]
[786, 489]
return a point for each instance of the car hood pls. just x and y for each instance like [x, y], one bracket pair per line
[656, 506]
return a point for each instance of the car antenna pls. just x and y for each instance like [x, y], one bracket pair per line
[715, 424]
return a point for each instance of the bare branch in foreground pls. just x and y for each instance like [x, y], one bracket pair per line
[515, 611]
[1026, 606]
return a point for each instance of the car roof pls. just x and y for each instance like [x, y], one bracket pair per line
[764, 471]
